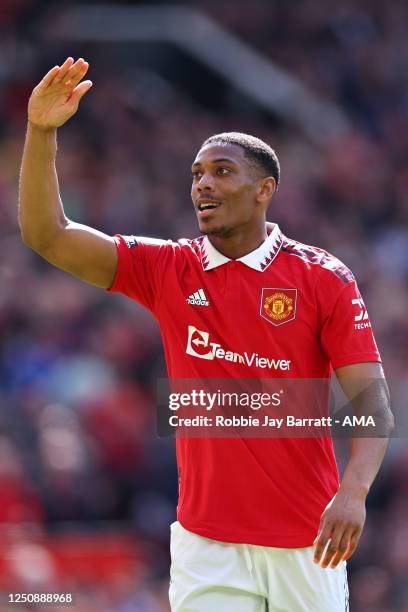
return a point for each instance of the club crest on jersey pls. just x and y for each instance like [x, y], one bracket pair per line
[278, 306]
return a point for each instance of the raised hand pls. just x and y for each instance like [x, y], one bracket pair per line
[57, 96]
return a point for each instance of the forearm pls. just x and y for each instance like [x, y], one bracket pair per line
[367, 390]
[366, 457]
[41, 213]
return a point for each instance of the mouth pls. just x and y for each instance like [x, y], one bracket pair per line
[205, 208]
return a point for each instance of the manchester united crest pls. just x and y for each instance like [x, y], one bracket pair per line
[278, 306]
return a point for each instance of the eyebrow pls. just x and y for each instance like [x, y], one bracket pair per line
[216, 161]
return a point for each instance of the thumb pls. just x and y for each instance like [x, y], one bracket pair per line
[80, 91]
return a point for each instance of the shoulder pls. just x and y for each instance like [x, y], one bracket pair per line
[132, 241]
[159, 247]
[318, 261]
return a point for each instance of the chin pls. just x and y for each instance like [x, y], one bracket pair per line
[220, 230]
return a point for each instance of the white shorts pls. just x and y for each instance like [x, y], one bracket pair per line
[212, 576]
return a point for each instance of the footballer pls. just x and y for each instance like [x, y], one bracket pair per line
[262, 524]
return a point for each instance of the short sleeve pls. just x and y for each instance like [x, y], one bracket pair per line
[142, 264]
[346, 333]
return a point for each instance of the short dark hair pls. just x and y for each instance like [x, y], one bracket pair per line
[256, 151]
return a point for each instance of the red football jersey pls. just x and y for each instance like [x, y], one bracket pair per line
[284, 310]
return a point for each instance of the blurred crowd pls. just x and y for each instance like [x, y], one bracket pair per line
[78, 367]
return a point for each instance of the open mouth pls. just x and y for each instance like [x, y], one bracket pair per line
[206, 207]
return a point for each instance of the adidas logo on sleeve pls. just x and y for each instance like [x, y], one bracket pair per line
[198, 299]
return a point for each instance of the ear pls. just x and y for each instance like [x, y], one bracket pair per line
[266, 189]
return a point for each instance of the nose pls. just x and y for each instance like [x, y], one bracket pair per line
[205, 183]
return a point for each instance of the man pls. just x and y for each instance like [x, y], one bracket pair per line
[253, 514]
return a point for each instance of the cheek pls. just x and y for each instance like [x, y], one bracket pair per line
[245, 198]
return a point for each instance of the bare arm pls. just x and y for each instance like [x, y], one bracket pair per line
[80, 250]
[343, 519]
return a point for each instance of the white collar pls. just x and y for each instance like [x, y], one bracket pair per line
[259, 259]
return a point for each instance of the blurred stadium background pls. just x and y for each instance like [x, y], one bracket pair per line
[87, 490]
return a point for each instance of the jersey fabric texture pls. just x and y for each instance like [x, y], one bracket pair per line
[285, 310]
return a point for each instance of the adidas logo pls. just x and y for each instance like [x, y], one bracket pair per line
[198, 299]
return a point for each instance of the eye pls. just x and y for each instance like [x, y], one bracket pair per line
[196, 175]
[223, 171]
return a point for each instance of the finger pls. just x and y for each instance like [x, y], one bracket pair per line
[354, 540]
[79, 92]
[64, 69]
[341, 549]
[333, 546]
[74, 76]
[49, 77]
[322, 541]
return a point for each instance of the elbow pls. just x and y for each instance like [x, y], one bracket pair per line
[40, 240]
[390, 423]
[26, 236]
[385, 422]
[26, 231]
[30, 241]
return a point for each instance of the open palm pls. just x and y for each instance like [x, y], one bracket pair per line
[57, 96]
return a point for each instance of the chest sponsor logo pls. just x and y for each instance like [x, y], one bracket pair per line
[199, 345]
[278, 306]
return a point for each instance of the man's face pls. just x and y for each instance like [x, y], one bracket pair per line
[224, 190]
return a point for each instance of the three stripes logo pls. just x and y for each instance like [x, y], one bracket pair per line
[198, 298]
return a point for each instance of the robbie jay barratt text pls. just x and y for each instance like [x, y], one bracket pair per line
[288, 421]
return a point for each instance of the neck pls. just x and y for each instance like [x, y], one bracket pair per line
[240, 241]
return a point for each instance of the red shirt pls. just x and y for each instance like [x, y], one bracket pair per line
[284, 310]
